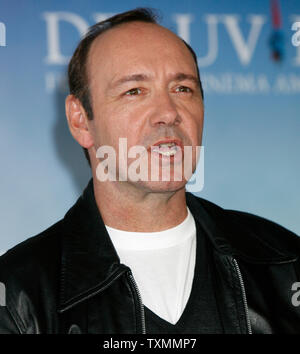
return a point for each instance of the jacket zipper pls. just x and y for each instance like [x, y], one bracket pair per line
[237, 268]
[140, 302]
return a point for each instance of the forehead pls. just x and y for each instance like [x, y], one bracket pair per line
[137, 46]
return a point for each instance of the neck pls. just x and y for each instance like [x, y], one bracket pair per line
[135, 209]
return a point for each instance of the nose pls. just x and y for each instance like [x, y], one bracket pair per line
[166, 111]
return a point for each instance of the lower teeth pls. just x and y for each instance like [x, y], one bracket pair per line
[167, 153]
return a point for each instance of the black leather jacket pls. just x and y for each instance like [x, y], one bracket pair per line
[69, 279]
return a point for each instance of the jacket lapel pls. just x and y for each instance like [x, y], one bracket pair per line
[89, 259]
[243, 235]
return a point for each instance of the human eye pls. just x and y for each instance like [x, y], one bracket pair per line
[183, 89]
[133, 92]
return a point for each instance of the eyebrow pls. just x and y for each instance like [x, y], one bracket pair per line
[182, 76]
[128, 78]
[142, 77]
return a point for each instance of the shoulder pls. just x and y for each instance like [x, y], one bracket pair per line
[32, 255]
[30, 275]
[268, 231]
[245, 230]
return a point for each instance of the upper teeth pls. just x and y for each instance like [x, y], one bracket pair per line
[167, 145]
[171, 149]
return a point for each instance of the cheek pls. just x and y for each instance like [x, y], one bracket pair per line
[198, 125]
[117, 122]
[129, 120]
[193, 113]
[194, 128]
[199, 130]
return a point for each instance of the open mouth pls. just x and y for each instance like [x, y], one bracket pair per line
[167, 147]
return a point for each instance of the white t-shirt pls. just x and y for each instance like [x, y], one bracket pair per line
[162, 264]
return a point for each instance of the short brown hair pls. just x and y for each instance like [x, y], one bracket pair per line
[77, 71]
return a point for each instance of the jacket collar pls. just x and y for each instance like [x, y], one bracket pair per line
[233, 234]
[90, 261]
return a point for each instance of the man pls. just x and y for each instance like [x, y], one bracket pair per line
[140, 255]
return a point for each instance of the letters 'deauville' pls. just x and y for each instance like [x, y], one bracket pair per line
[243, 44]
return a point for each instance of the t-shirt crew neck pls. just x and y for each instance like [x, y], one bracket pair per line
[153, 240]
[162, 264]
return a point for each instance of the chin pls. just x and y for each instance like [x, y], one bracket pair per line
[161, 186]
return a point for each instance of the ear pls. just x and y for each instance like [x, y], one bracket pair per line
[78, 122]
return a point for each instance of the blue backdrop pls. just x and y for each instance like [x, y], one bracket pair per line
[252, 104]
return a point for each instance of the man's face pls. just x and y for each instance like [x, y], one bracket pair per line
[143, 85]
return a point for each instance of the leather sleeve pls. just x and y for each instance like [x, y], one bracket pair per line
[7, 323]
[10, 321]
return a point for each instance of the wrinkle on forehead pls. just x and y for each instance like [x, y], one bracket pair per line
[119, 39]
